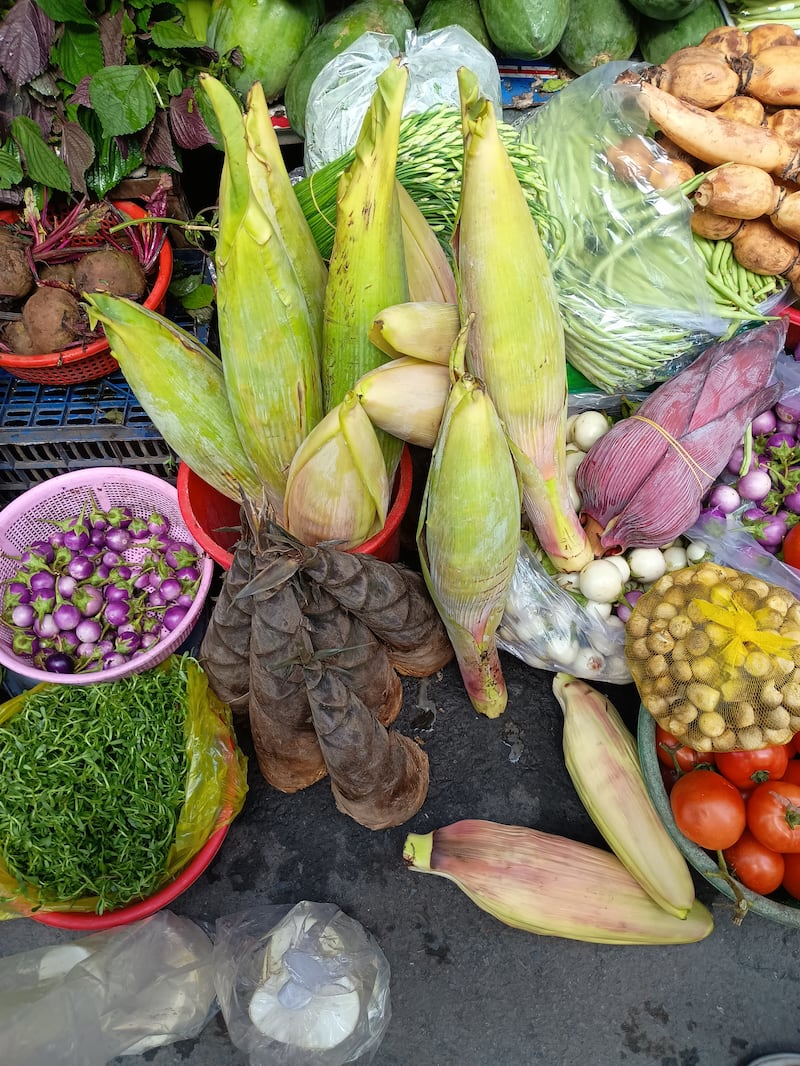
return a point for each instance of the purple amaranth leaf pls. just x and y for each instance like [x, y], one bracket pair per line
[77, 152]
[111, 39]
[81, 94]
[159, 150]
[26, 36]
[186, 121]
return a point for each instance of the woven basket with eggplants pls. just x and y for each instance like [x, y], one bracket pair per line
[715, 655]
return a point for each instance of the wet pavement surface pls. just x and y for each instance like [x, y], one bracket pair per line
[465, 989]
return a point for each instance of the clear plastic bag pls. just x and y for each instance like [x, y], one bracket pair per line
[632, 289]
[730, 543]
[120, 992]
[301, 985]
[341, 92]
[548, 628]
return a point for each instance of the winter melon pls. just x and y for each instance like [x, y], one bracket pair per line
[270, 35]
[597, 31]
[658, 40]
[363, 16]
[466, 13]
[525, 29]
[665, 10]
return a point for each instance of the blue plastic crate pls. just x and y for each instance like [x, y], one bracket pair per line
[47, 430]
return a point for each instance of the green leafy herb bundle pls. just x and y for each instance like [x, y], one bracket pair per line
[94, 779]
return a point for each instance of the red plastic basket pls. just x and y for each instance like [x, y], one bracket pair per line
[213, 519]
[90, 361]
[29, 518]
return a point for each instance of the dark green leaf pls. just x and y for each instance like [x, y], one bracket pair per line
[123, 99]
[202, 296]
[175, 82]
[170, 35]
[66, 11]
[79, 53]
[10, 168]
[41, 162]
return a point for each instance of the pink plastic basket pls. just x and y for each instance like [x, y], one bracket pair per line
[29, 517]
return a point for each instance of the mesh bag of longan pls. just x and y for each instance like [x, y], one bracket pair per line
[715, 655]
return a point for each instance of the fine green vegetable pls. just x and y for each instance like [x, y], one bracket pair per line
[734, 287]
[429, 161]
[750, 13]
[93, 783]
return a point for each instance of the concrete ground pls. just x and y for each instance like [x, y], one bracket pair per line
[465, 989]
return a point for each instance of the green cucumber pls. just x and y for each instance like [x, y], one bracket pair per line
[363, 16]
[270, 34]
[666, 10]
[598, 31]
[525, 29]
[466, 13]
[658, 40]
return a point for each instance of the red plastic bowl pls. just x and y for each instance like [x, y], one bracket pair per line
[91, 361]
[793, 332]
[213, 519]
[93, 923]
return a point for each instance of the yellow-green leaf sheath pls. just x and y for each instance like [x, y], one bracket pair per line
[180, 385]
[517, 343]
[468, 536]
[265, 329]
[367, 270]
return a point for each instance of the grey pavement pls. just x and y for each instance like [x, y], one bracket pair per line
[467, 990]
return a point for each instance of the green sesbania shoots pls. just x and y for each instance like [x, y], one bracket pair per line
[93, 783]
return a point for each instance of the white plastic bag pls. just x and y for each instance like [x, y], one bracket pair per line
[341, 92]
[549, 629]
[301, 985]
[120, 992]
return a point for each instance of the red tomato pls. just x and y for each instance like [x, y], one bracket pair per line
[791, 874]
[773, 815]
[708, 809]
[794, 744]
[758, 868]
[745, 769]
[791, 547]
[672, 753]
[792, 772]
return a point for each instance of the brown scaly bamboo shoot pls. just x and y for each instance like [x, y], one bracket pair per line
[715, 140]
[392, 602]
[378, 776]
[739, 191]
[225, 649]
[286, 745]
[342, 639]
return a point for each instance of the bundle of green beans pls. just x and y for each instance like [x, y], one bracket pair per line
[429, 166]
[734, 287]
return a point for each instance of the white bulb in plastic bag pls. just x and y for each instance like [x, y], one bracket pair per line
[343, 89]
[301, 986]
